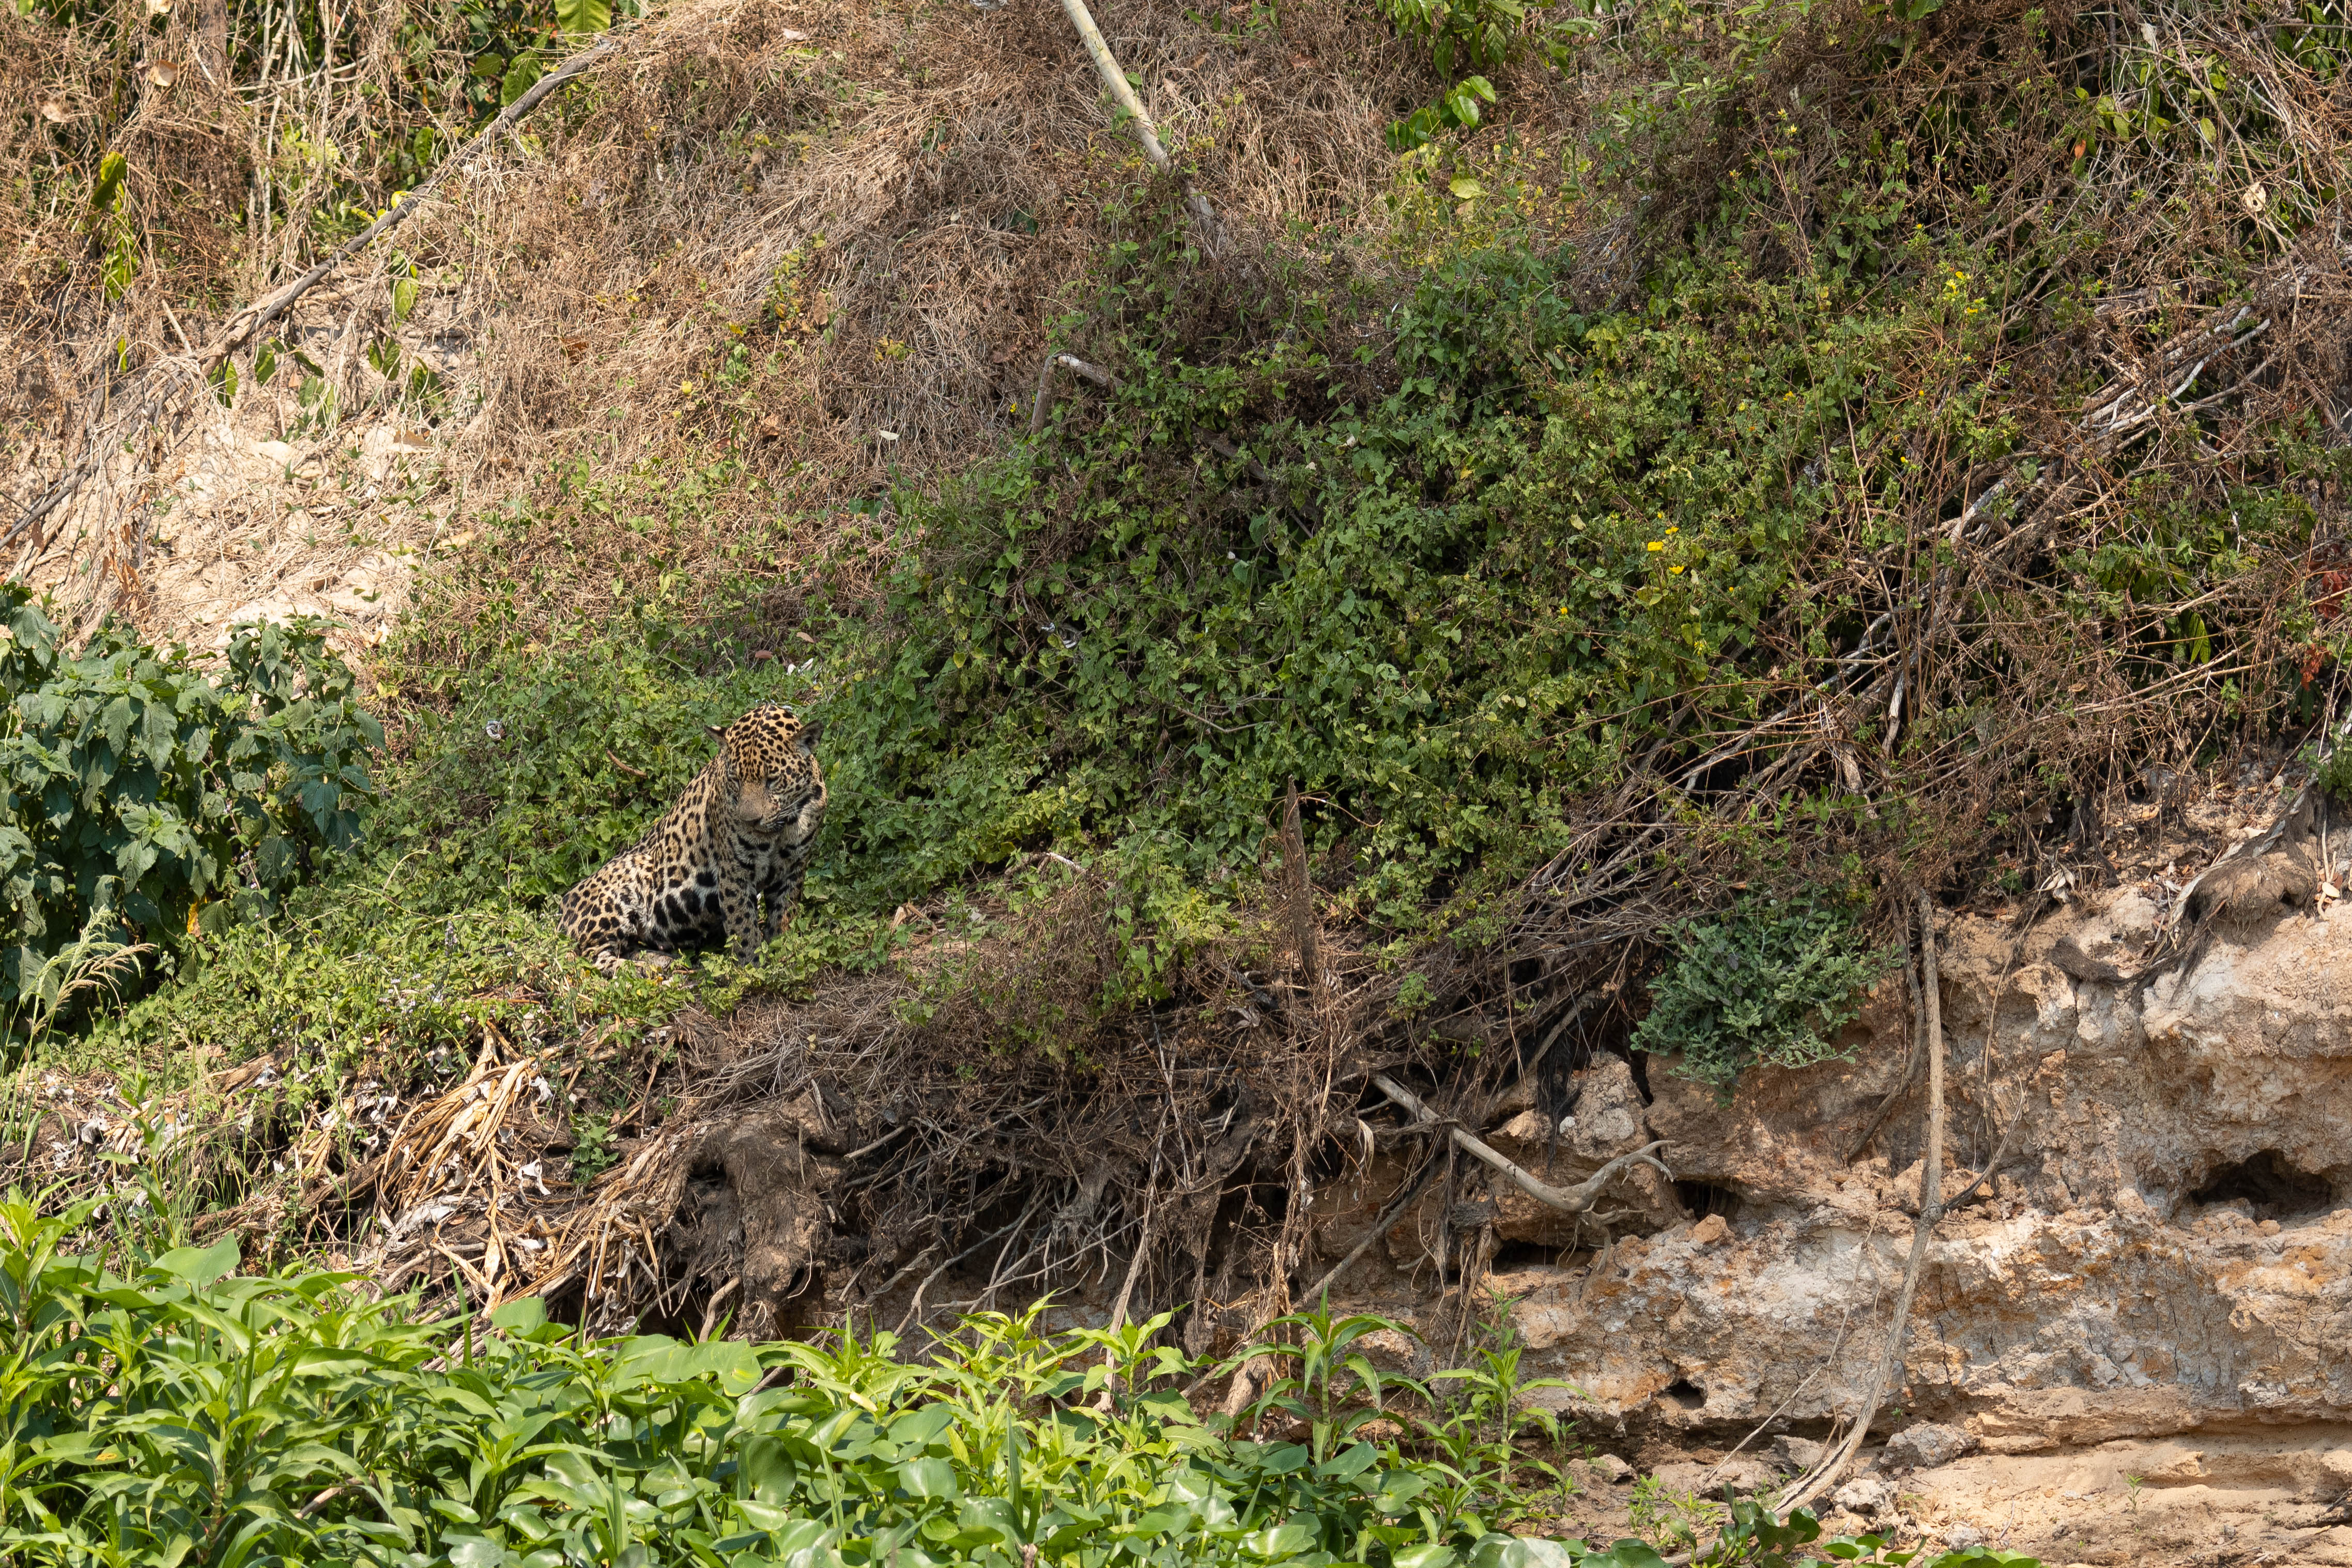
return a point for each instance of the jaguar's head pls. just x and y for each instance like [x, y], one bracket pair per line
[770, 756]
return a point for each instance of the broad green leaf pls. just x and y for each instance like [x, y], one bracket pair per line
[522, 1316]
[1435, 1554]
[1278, 1540]
[200, 1266]
[1627, 1553]
[583, 16]
[274, 861]
[111, 168]
[768, 1469]
[522, 74]
[993, 1517]
[930, 1479]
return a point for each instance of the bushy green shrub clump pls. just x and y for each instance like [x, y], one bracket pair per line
[140, 794]
[1461, 550]
[1767, 981]
[184, 1415]
[1475, 589]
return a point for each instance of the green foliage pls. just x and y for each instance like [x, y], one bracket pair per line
[1574, 502]
[532, 764]
[1465, 39]
[136, 788]
[523, 768]
[1476, 585]
[583, 16]
[182, 1414]
[1768, 981]
[2332, 773]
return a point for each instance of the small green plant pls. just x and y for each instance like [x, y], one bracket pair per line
[142, 799]
[1466, 38]
[1659, 1513]
[593, 1152]
[1330, 1388]
[1767, 981]
[2332, 773]
[1480, 1419]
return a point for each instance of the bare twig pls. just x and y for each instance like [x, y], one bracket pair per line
[1380, 1227]
[1143, 1236]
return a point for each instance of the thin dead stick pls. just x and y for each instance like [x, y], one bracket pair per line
[1529, 1068]
[1204, 219]
[1910, 1064]
[162, 383]
[2001, 1147]
[1567, 1200]
[1143, 1235]
[1039, 403]
[1931, 1214]
[931, 1278]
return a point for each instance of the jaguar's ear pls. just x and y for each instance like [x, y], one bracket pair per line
[810, 730]
[716, 729]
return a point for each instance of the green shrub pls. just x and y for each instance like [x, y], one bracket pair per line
[137, 789]
[524, 767]
[185, 1415]
[1480, 584]
[1768, 981]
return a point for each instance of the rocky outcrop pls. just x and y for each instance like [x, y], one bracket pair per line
[2163, 1256]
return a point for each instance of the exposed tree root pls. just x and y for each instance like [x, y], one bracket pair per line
[1889, 1371]
[1577, 1199]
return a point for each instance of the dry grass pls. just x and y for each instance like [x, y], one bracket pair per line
[820, 245]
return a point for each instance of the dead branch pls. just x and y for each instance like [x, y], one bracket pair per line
[1577, 1199]
[1211, 232]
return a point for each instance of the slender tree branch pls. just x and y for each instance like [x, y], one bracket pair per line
[1567, 1200]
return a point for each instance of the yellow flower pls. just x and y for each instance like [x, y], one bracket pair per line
[1657, 544]
[1674, 570]
[686, 387]
[1677, 529]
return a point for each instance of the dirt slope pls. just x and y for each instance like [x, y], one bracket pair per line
[821, 246]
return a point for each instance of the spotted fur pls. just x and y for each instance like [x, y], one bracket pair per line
[740, 835]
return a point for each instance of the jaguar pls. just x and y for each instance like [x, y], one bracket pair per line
[737, 838]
